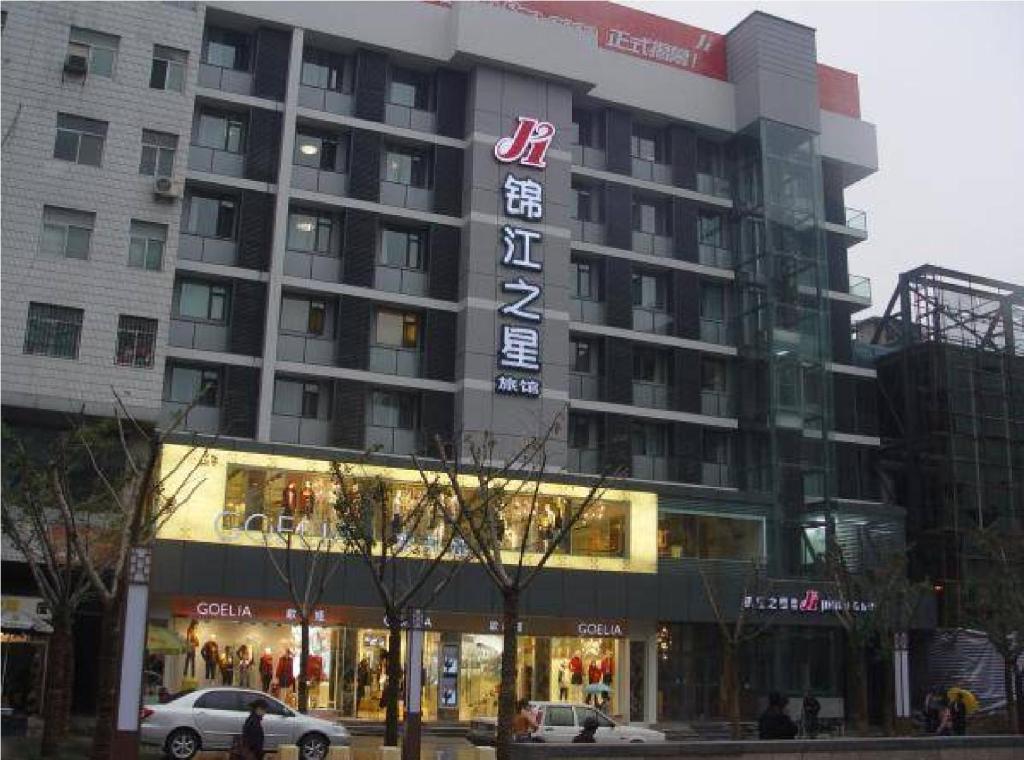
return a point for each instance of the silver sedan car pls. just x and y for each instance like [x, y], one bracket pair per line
[212, 718]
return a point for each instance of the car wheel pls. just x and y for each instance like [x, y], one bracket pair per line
[313, 747]
[182, 744]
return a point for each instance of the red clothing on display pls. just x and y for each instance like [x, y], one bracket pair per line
[285, 676]
[266, 665]
[594, 673]
[608, 666]
[315, 668]
[576, 665]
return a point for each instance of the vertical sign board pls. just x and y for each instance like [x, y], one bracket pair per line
[901, 674]
[519, 348]
[450, 676]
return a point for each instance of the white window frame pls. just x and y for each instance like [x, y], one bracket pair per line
[90, 40]
[65, 225]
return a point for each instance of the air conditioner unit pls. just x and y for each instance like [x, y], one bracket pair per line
[75, 64]
[164, 188]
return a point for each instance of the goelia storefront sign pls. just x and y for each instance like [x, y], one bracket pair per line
[811, 602]
[519, 344]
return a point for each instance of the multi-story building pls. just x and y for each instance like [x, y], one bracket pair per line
[403, 221]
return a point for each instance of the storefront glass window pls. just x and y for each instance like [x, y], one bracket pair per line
[706, 537]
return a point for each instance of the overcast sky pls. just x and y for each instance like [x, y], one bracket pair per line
[944, 85]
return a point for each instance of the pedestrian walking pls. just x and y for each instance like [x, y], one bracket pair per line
[586, 735]
[811, 708]
[251, 745]
[524, 723]
[932, 709]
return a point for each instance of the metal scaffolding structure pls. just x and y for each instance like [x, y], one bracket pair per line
[950, 359]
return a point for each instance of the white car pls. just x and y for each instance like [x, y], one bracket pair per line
[212, 718]
[560, 722]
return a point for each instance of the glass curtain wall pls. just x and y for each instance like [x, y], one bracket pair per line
[783, 330]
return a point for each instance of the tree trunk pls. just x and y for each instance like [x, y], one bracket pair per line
[108, 671]
[60, 670]
[393, 686]
[303, 665]
[507, 688]
[729, 697]
[856, 684]
[1011, 700]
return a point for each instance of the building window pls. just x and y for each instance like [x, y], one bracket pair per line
[712, 302]
[711, 229]
[297, 398]
[713, 375]
[311, 232]
[589, 202]
[146, 246]
[649, 439]
[158, 150]
[96, 47]
[79, 139]
[651, 216]
[323, 69]
[324, 152]
[705, 537]
[210, 216]
[586, 281]
[650, 291]
[648, 144]
[397, 328]
[403, 248]
[202, 301]
[188, 384]
[394, 410]
[406, 166]
[409, 88]
[136, 337]
[66, 232]
[590, 126]
[650, 366]
[584, 432]
[168, 72]
[226, 48]
[304, 316]
[53, 330]
[220, 130]
[585, 356]
[710, 158]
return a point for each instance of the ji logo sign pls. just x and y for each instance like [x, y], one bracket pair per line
[528, 145]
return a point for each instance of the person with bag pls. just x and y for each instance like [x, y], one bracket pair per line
[250, 746]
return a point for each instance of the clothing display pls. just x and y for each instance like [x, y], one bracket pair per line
[307, 499]
[285, 673]
[227, 666]
[244, 666]
[607, 669]
[211, 654]
[289, 500]
[266, 670]
[594, 673]
[315, 668]
[576, 669]
[192, 640]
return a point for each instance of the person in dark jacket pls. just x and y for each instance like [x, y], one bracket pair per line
[586, 736]
[774, 722]
[252, 731]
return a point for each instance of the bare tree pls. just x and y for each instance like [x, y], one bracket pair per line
[481, 514]
[305, 560]
[403, 547]
[41, 537]
[994, 602]
[734, 633]
[121, 492]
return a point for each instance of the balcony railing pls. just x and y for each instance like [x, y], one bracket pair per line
[714, 331]
[389, 440]
[305, 349]
[860, 286]
[412, 282]
[714, 256]
[650, 395]
[652, 244]
[213, 161]
[312, 266]
[715, 403]
[716, 474]
[330, 101]
[205, 336]
[652, 321]
[410, 118]
[286, 428]
[652, 171]
[406, 196]
[583, 460]
[396, 361]
[228, 80]
[207, 249]
[711, 185]
[856, 219]
[650, 467]
[588, 232]
[586, 310]
[319, 181]
[584, 387]
[584, 155]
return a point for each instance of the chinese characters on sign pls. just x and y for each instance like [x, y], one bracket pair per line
[519, 343]
[812, 601]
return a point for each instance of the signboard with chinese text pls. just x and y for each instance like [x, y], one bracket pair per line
[812, 602]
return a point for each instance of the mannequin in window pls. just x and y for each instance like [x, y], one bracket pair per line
[266, 669]
[244, 666]
[227, 666]
[289, 499]
[285, 673]
[211, 655]
[192, 639]
[307, 498]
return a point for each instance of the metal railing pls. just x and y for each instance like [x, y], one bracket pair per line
[856, 219]
[859, 286]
